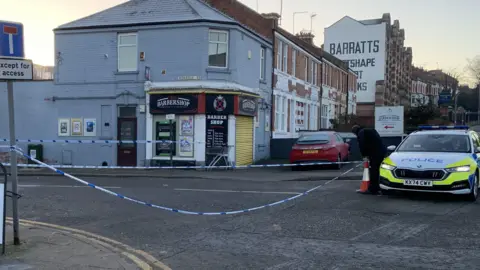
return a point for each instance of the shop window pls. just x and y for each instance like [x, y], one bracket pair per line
[180, 131]
[218, 49]
[127, 52]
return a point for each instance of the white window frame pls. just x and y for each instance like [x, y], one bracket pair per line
[306, 68]
[263, 62]
[279, 55]
[305, 115]
[326, 81]
[294, 62]
[220, 42]
[282, 112]
[324, 116]
[285, 57]
[127, 45]
[277, 113]
[314, 73]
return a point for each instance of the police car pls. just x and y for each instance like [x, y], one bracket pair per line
[441, 159]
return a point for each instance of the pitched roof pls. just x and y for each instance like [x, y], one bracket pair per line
[141, 12]
[312, 49]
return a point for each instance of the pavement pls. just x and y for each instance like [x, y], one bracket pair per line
[52, 247]
[330, 228]
[251, 174]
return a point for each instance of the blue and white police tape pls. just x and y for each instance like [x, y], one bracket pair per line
[186, 167]
[180, 211]
[90, 141]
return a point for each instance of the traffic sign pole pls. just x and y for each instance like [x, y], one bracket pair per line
[13, 164]
[14, 67]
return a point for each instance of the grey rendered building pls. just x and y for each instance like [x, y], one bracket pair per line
[119, 73]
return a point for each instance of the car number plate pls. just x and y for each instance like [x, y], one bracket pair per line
[418, 183]
[310, 151]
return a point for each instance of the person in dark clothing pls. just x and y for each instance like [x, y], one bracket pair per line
[371, 147]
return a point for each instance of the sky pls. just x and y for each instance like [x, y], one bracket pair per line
[442, 33]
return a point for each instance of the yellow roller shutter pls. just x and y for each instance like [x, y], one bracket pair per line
[244, 140]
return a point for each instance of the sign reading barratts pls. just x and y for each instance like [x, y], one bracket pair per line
[389, 120]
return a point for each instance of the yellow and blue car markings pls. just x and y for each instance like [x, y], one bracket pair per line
[458, 168]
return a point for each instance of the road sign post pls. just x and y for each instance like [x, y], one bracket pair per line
[13, 67]
[3, 197]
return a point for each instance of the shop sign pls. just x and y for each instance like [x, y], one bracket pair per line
[216, 131]
[171, 104]
[219, 104]
[247, 105]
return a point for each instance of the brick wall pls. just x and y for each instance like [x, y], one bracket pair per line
[245, 16]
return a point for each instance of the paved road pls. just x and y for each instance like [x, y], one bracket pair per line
[332, 228]
[302, 173]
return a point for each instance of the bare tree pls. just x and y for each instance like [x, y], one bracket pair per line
[473, 69]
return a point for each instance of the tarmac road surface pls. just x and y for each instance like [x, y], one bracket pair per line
[331, 228]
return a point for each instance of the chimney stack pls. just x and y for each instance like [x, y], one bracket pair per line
[272, 16]
[306, 36]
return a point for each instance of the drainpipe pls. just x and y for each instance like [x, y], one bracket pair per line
[321, 94]
[272, 112]
[346, 108]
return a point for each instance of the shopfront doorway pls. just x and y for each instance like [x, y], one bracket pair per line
[127, 131]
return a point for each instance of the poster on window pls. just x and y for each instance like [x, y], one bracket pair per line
[186, 146]
[77, 127]
[90, 127]
[63, 127]
[186, 125]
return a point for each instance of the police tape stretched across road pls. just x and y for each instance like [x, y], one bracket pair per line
[186, 212]
[186, 167]
[90, 141]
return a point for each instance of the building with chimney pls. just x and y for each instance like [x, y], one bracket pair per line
[375, 50]
[186, 86]
[427, 86]
[310, 86]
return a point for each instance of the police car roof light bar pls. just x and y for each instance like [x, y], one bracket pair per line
[442, 127]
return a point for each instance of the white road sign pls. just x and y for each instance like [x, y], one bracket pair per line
[16, 69]
[389, 120]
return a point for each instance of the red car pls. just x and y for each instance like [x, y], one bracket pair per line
[321, 146]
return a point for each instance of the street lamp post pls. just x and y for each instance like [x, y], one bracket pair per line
[455, 106]
[295, 13]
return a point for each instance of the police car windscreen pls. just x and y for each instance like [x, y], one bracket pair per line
[318, 138]
[436, 143]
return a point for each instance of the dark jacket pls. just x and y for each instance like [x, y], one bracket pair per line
[371, 144]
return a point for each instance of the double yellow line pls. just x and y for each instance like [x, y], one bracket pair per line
[142, 259]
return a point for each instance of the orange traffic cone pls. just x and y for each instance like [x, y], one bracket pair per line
[366, 178]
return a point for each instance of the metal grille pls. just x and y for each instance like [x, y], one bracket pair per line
[416, 174]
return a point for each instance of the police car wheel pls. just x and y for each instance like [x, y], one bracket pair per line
[474, 192]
